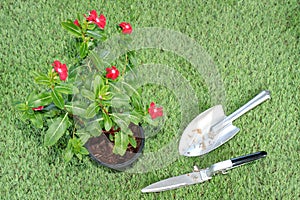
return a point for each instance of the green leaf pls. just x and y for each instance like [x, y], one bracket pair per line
[88, 94]
[83, 136]
[36, 119]
[94, 128]
[56, 130]
[91, 26]
[98, 82]
[72, 28]
[96, 60]
[41, 79]
[84, 151]
[51, 113]
[75, 146]
[122, 120]
[99, 35]
[130, 90]
[115, 87]
[66, 88]
[104, 93]
[104, 89]
[132, 141]
[57, 99]
[21, 106]
[79, 156]
[120, 100]
[74, 70]
[121, 143]
[41, 99]
[24, 116]
[92, 110]
[135, 117]
[68, 154]
[83, 50]
[111, 137]
[76, 108]
[107, 96]
[107, 122]
[88, 83]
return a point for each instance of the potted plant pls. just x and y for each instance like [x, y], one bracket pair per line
[98, 111]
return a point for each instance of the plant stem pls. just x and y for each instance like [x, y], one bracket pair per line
[103, 109]
[111, 131]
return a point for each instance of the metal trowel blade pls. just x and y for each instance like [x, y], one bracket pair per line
[220, 138]
[198, 129]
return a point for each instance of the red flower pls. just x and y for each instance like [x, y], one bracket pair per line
[155, 111]
[99, 21]
[126, 28]
[38, 108]
[61, 69]
[112, 73]
[76, 22]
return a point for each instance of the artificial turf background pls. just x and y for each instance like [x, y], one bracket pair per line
[254, 45]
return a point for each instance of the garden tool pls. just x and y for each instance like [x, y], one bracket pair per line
[199, 176]
[212, 128]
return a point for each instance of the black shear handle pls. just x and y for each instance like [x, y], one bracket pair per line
[248, 158]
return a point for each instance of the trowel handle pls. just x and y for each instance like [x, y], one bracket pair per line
[258, 99]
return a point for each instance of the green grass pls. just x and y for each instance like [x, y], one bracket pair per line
[254, 45]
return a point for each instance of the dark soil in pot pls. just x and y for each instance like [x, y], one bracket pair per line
[101, 150]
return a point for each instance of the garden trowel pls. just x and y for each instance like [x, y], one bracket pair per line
[212, 128]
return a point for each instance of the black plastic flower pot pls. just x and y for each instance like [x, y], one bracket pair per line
[100, 149]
